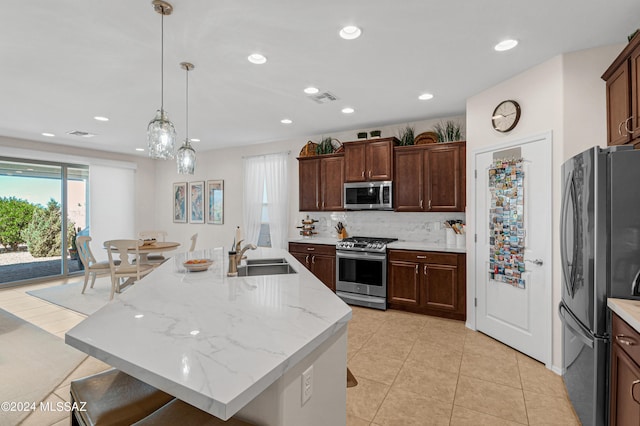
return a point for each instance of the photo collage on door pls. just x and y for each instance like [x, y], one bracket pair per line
[506, 222]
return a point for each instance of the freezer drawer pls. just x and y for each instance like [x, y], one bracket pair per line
[585, 364]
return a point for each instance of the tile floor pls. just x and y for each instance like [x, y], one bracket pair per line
[411, 370]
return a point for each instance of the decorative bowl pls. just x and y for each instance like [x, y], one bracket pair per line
[148, 241]
[198, 265]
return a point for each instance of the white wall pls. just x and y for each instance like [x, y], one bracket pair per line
[564, 95]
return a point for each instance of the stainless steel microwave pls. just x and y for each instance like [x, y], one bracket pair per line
[368, 195]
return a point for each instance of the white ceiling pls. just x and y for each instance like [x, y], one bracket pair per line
[63, 62]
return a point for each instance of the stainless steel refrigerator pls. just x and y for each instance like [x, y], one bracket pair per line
[600, 251]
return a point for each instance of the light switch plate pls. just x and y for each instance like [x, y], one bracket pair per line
[307, 384]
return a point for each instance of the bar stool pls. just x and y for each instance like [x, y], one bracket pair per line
[180, 413]
[113, 398]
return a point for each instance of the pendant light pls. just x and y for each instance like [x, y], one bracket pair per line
[161, 134]
[186, 154]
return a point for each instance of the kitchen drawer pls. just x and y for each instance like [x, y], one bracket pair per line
[627, 338]
[320, 249]
[424, 257]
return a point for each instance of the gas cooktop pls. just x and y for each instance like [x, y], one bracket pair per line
[377, 244]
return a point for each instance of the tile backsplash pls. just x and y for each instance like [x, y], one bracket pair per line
[423, 227]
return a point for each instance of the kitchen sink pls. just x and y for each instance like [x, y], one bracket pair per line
[257, 267]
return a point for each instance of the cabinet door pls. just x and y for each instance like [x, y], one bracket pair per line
[442, 179]
[303, 258]
[332, 183]
[625, 388]
[404, 283]
[618, 105]
[634, 124]
[378, 160]
[309, 181]
[440, 284]
[324, 268]
[408, 181]
[354, 159]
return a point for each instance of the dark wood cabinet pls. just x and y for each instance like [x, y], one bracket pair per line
[623, 96]
[321, 180]
[625, 374]
[320, 259]
[369, 160]
[432, 283]
[430, 178]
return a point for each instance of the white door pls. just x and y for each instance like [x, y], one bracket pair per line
[518, 317]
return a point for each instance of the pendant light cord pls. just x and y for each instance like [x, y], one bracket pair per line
[187, 108]
[162, 61]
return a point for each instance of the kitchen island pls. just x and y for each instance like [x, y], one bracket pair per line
[229, 345]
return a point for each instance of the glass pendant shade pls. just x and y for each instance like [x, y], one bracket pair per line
[186, 159]
[161, 137]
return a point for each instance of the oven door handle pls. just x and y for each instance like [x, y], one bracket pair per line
[361, 255]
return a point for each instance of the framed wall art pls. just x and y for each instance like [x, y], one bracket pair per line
[196, 202]
[215, 202]
[180, 202]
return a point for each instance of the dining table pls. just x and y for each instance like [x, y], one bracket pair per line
[156, 247]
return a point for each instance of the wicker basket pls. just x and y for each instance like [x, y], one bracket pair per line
[309, 150]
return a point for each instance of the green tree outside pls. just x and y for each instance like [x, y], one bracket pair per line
[15, 216]
[43, 234]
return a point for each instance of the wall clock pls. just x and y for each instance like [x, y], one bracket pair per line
[506, 116]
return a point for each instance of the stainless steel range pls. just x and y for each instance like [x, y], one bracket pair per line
[361, 271]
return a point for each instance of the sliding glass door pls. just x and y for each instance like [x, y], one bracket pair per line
[43, 206]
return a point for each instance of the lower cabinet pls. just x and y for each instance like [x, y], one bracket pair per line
[625, 374]
[432, 283]
[320, 259]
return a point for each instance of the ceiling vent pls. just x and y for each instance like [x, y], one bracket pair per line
[81, 133]
[324, 97]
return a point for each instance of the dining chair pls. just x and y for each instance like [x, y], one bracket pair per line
[92, 268]
[126, 269]
[159, 236]
[194, 238]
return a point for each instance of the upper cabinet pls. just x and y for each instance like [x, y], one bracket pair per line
[623, 96]
[430, 178]
[321, 179]
[369, 160]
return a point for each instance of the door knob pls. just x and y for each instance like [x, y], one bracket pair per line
[537, 262]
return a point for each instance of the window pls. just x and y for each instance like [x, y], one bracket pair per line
[264, 239]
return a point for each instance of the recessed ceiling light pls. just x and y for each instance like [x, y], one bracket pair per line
[505, 45]
[50, 135]
[348, 110]
[194, 140]
[286, 121]
[100, 118]
[140, 149]
[194, 332]
[138, 316]
[311, 90]
[256, 58]
[425, 96]
[350, 32]
[19, 171]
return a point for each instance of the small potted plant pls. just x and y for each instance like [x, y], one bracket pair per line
[448, 131]
[406, 136]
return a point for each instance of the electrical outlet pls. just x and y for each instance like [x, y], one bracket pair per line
[307, 384]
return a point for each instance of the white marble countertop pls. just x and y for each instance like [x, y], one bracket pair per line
[213, 341]
[627, 309]
[315, 240]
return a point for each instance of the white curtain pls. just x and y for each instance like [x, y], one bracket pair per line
[270, 172]
[275, 167]
[253, 191]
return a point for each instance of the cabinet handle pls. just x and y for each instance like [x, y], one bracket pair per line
[421, 257]
[363, 173]
[421, 203]
[620, 127]
[323, 204]
[633, 385]
[417, 266]
[306, 259]
[425, 269]
[313, 259]
[429, 204]
[627, 127]
[625, 340]
[311, 248]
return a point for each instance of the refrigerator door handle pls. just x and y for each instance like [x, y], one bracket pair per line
[563, 226]
[634, 284]
[570, 321]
